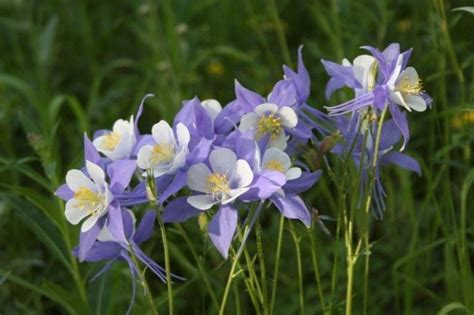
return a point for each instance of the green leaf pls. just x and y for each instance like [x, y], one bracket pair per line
[465, 9]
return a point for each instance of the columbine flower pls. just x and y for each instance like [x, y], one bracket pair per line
[407, 90]
[276, 160]
[168, 152]
[227, 179]
[119, 142]
[91, 196]
[270, 120]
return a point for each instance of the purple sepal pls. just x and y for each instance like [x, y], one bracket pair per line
[179, 181]
[400, 120]
[402, 160]
[100, 251]
[90, 152]
[222, 228]
[283, 94]
[120, 173]
[303, 183]
[301, 79]
[64, 192]
[200, 152]
[115, 223]
[292, 207]
[247, 99]
[179, 210]
[264, 185]
[145, 229]
[87, 239]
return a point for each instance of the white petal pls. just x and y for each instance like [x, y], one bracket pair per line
[396, 72]
[266, 108]
[197, 177]
[416, 102]
[162, 133]
[397, 98]
[201, 202]
[223, 161]
[180, 158]
[76, 179]
[182, 134]
[409, 74]
[234, 194]
[97, 174]
[89, 223]
[279, 141]
[248, 121]
[293, 173]
[243, 173]
[346, 62]
[160, 170]
[122, 127]
[105, 235]
[275, 154]
[74, 214]
[212, 107]
[288, 117]
[362, 69]
[124, 148]
[144, 157]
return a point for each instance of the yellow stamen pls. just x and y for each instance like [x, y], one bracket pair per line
[275, 165]
[218, 185]
[88, 200]
[269, 124]
[162, 153]
[411, 87]
[111, 140]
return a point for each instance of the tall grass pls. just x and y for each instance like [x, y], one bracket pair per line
[72, 66]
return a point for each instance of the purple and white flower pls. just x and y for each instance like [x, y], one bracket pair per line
[119, 142]
[91, 196]
[167, 152]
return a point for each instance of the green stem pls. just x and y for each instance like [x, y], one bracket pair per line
[277, 263]
[201, 269]
[237, 256]
[143, 282]
[152, 195]
[299, 267]
[280, 32]
[169, 284]
[263, 273]
[316, 268]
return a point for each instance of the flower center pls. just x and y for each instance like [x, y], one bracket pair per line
[218, 185]
[111, 140]
[162, 153]
[411, 87]
[269, 124]
[274, 165]
[88, 200]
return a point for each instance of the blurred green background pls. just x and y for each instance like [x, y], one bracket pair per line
[72, 66]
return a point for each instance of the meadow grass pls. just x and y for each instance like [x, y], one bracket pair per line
[72, 66]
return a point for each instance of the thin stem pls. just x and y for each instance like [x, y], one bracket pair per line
[236, 258]
[152, 195]
[280, 32]
[143, 282]
[169, 284]
[277, 263]
[316, 268]
[201, 269]
[263, 274]
[299, 267]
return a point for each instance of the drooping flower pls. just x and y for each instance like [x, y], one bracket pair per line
[119, 142]
[91, 196]
[108, 248]
[395, 85]
[354, 134]
[166, 151]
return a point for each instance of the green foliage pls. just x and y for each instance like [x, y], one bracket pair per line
[69, 67]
